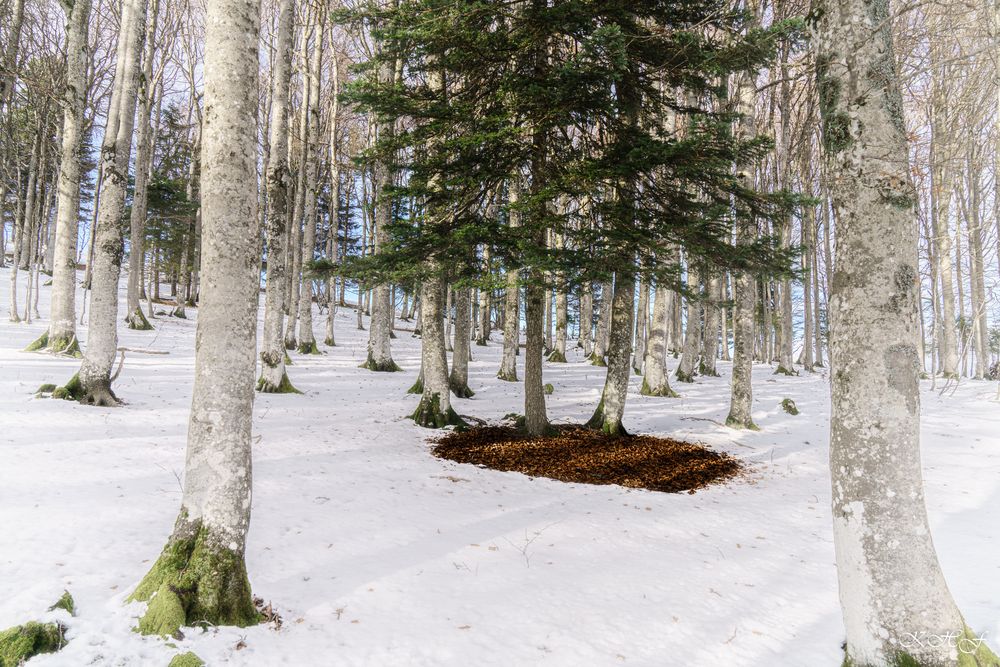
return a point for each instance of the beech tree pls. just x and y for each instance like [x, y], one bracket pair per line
[891, 584]
[201, 572]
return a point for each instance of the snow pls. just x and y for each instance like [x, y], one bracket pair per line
[376, 553]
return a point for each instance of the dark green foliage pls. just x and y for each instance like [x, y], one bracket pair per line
[516, 105]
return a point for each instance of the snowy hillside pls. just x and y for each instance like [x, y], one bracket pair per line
[376, 553]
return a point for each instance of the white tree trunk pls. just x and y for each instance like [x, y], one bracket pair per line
[891, 585]
[273, 376]
[202, 567]
[143, 163]
[94, 384]
[62, 324]
[654, 380]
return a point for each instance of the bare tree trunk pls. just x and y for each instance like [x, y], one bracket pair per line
[483, 332]
[710, 339]
[891, 585]
[641, 320]
[93, 384]
[434, 410]
[333, 243]
[603, 326]
[610, 411]
[655, 380]
[273, 376]
[692, 332]
[61, 336]
[143, 163]
[586, 318]
[202, 571]
[459, 380]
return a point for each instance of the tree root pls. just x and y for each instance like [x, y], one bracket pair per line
[429, 414]
[196, 580]
[137, 321]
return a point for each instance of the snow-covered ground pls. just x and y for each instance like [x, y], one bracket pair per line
[376, 553]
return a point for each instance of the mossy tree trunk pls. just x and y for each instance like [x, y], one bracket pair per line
[201, 575]
[273, 375]
[891, 584]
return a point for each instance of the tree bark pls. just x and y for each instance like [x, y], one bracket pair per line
[62, 326]
[891, 585]
[143, 163]
[655, 380]
[459, 380]
[273, 376]
[94, 380]
[608, 415]
[202, 569]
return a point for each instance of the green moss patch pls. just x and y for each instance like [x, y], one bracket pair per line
[71, 391]
[195, 582]
[21, 642]
[137, 321]
[188, 659]
[788, 405]
[39, 343]
[285, 386]
[429, 414]
[65, 602]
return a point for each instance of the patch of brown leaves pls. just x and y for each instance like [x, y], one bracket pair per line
[577, 454]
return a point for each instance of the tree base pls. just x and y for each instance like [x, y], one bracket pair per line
[21, 642]
[781, 370]
[284, 386]
[429, 414]
[195, 581]
[482, 342]
[308, 348]
[290, 343]
[461, 389]
[557, 357]
[741, 424]
[662, 391]
[288, 360]
[684, 377]
[417, 387]
[600, 422]
[507, 376]
[329, 342]
[596, 360]
[178, 312]
[384, 366]
[709, 372]
[137, 321]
